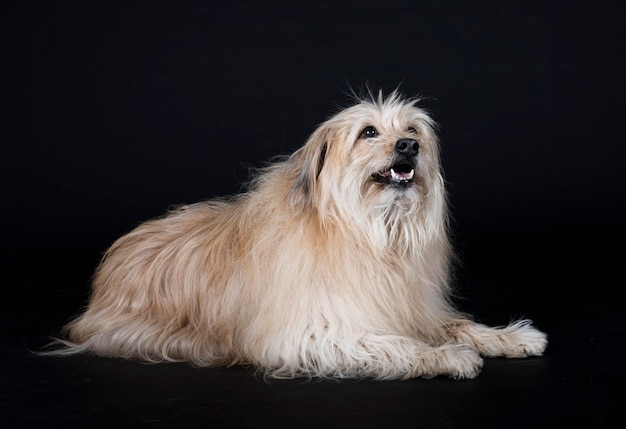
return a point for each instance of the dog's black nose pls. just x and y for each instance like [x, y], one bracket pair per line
[407, 147]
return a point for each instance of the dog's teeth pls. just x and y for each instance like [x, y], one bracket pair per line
[402, 176]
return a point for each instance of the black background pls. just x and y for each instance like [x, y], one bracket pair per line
[111, 113]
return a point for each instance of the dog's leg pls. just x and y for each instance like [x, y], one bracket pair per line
[453, 360]
[392, 357]
[517, 340]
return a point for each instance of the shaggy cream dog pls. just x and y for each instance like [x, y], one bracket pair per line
[334, 264]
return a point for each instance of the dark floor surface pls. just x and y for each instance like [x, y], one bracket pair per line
[573, 291]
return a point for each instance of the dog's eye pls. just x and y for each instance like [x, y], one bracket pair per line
[369, 132]
[412, 130]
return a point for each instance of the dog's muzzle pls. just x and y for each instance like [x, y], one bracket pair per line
[402, 169]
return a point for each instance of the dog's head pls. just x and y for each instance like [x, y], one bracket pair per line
[380, 153]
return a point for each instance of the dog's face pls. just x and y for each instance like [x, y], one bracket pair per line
[378, 152]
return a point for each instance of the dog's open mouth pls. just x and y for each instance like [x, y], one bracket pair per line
[398, 174]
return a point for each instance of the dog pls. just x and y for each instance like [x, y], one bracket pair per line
[335, 263]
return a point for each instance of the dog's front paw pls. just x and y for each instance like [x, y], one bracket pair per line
[458, 361]
[467, 364]
[525, 340]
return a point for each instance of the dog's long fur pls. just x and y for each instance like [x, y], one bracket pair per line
[326, 267]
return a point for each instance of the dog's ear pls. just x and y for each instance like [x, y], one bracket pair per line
[308, 163]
